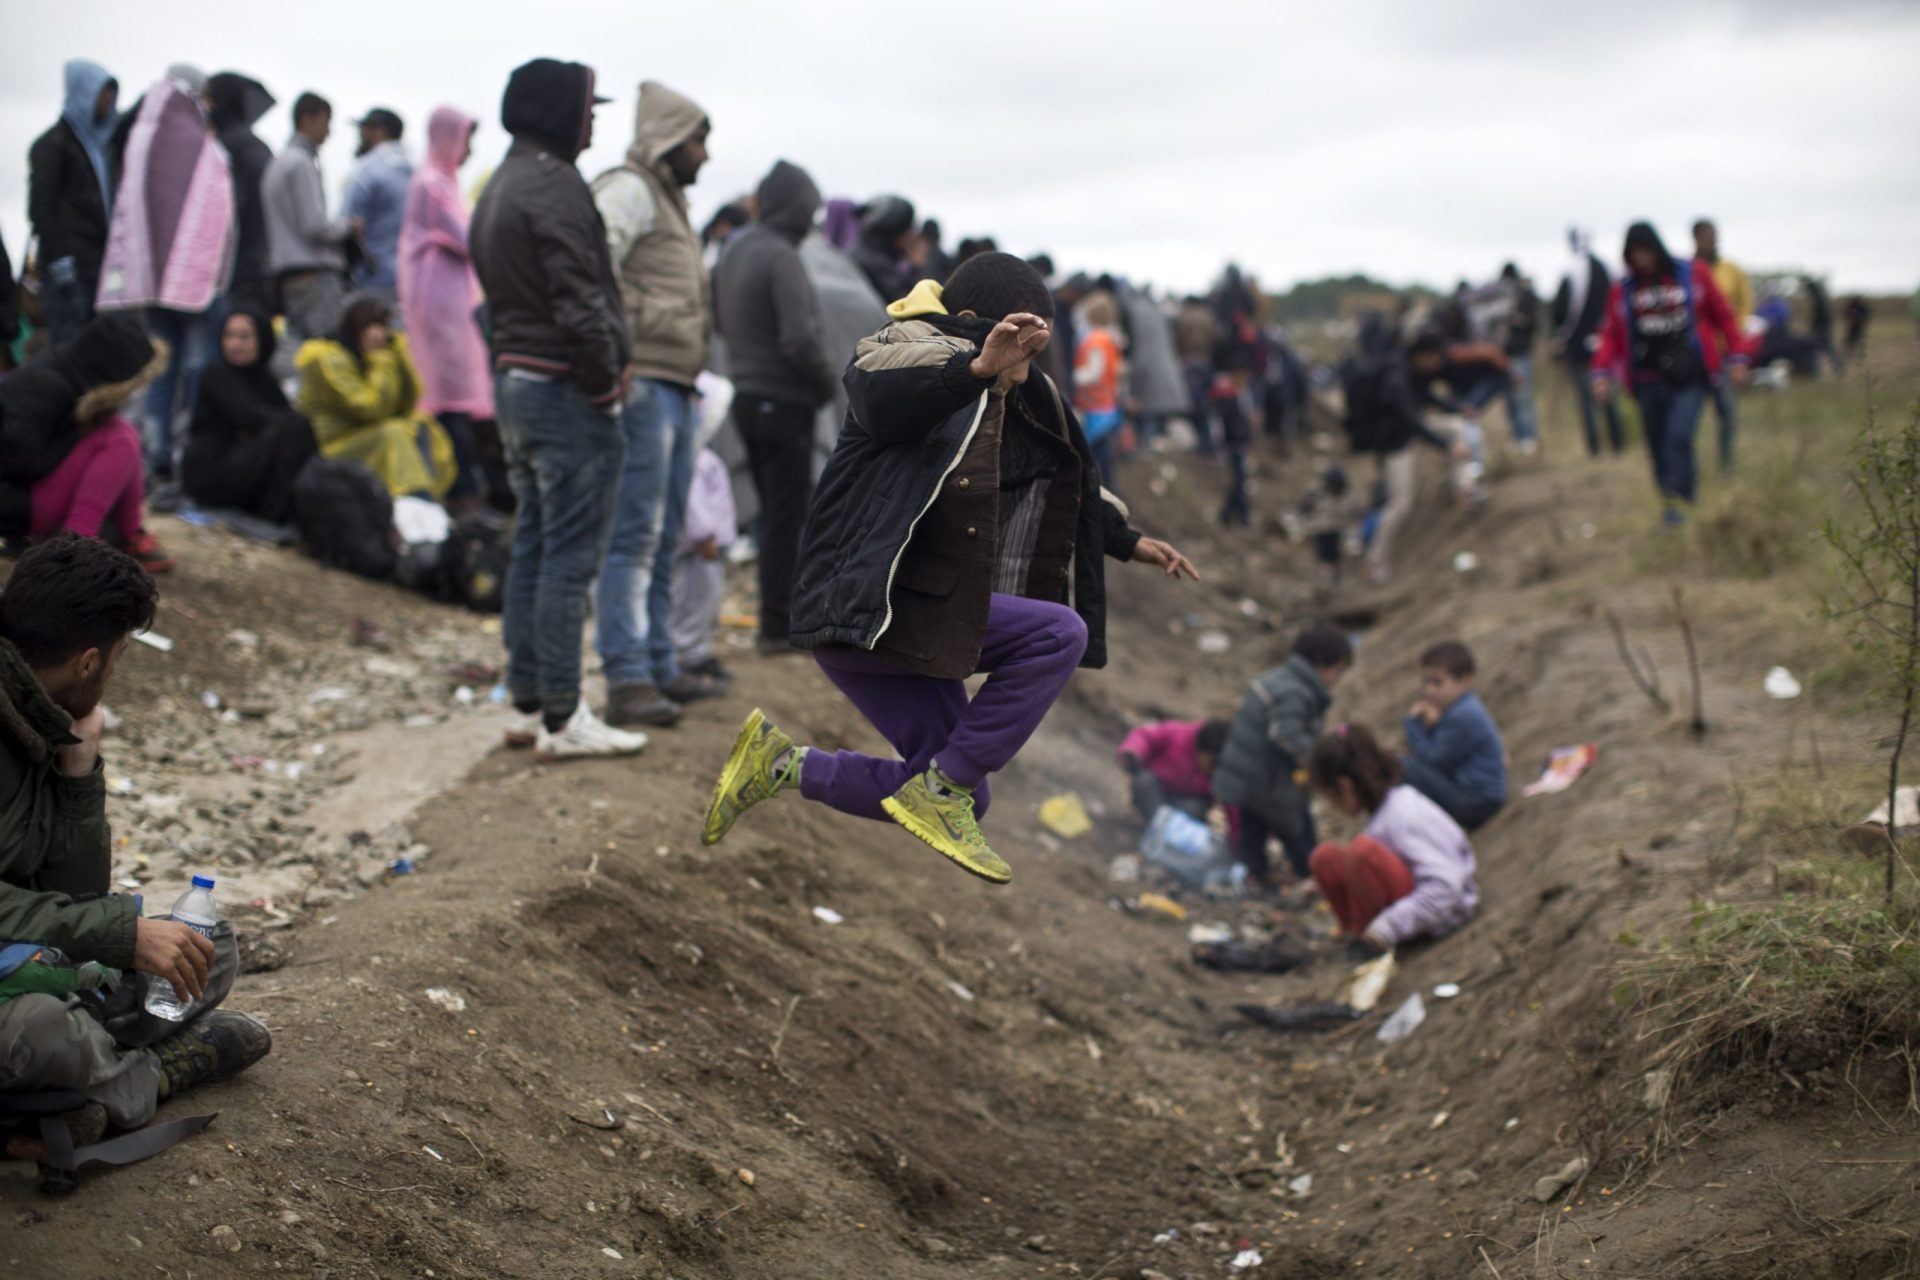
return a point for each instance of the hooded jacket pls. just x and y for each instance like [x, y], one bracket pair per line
[902, 546]
[237, 104]
[438, 290]
[43, 407]
[1273, 733]
[1661, 328]
[882, 222]
[539, 245]
[55, 852]
[171, 241]
[663, 278]
[69, 186]
[768, 311]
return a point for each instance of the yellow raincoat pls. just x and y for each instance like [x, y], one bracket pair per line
[369, 414]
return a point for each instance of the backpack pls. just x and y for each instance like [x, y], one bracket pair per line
[345, 517]
[469, 567]
[1367, 382]
[474, 559]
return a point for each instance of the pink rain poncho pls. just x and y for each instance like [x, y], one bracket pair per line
[438, 289]
[171, 242]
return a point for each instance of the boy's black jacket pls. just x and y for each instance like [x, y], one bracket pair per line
[899, 552]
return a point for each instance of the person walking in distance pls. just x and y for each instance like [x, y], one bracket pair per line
[1578, 310]
[1737, 289]
[560, 360]
[782, 372]
[1666, 329]
[663, 286]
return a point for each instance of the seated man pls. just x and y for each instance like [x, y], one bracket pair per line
[1172, 763]
[65, 618]
[1457, 759]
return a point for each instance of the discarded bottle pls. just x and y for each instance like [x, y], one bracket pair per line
[195, 909]
[1185, 846]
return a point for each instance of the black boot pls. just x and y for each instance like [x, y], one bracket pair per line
[216, 1047]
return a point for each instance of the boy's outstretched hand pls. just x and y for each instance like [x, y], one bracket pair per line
[1021, 336]
[1154, 551]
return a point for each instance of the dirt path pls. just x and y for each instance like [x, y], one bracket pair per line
[651, 1059]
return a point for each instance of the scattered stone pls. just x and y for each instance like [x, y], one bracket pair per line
[1659, 1088]
[1463, 1178]
[1553, 1184]
[745, 1175]
[226, 1238]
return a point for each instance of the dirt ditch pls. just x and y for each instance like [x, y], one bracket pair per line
[574, 1043]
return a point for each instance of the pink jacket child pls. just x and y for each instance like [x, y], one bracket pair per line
[1172, 762]
[438, 288]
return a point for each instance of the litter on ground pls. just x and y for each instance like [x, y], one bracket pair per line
[1564, 765]
[1065, 815]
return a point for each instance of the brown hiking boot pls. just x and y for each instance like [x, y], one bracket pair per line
[641, 704]
[217, 1047]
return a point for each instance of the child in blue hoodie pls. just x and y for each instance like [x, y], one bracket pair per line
[1456, 758]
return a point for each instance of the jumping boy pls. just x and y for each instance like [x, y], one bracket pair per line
[1262, 768]
[1456, 758]
[958, 529]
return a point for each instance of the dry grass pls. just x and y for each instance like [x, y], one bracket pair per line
[1812, 975]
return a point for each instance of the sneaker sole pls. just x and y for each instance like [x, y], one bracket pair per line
[561, 757]
[1001, 874]
[729, 775]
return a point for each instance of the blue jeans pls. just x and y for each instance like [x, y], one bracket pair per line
[622, 616]
[1520, 399]
[1590, 411]
[563, 462]
[1469, 810]
[682, 431]
[1724, 407]
[1670, 416]
[190, 337]
[67, 299]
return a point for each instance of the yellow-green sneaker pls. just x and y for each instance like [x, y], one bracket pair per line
[943, 817]
[753, 773]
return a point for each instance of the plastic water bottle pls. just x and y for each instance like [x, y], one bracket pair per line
[195, 909]
[1184, 845]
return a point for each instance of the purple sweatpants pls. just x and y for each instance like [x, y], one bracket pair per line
[1031, 650]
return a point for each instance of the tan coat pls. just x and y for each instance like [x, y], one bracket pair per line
[663, 281]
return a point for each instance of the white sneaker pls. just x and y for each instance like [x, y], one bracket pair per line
[586, 735]
[523, 730]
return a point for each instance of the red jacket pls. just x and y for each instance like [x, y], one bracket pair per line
[1711, 315]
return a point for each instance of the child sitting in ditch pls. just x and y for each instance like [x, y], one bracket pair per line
[1455, 757]
[1410, 873]
[1172, 763]
[959, 528]
[1262, 764]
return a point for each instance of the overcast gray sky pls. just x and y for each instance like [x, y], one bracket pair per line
[1409, 139]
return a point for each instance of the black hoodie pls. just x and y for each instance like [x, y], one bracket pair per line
[538, 244]
[235, 105]
[766, 305]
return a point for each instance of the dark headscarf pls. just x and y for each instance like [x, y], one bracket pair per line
[242, 394]
[1641, 235]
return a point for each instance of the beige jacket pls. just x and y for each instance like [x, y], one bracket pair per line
[663, 282]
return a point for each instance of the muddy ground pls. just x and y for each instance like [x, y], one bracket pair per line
[645, 1058]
